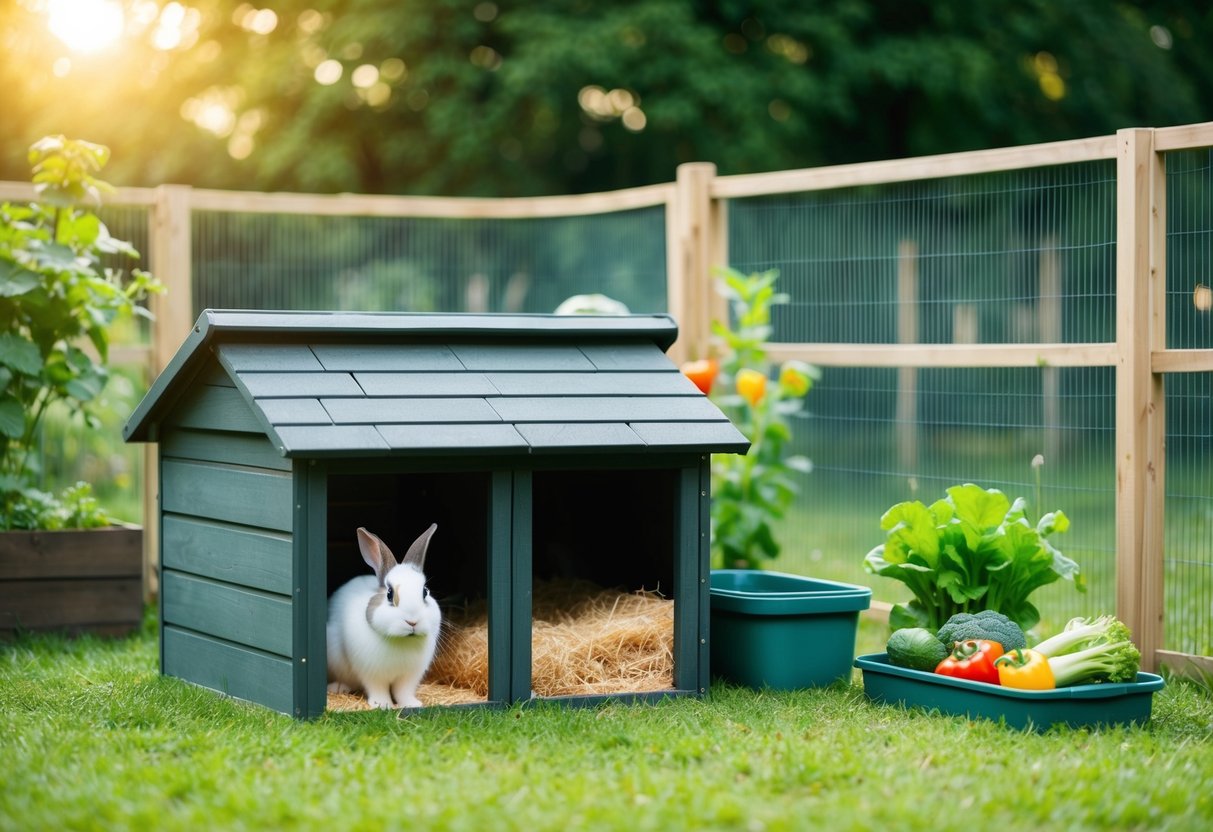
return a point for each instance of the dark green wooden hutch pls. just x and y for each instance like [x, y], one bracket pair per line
[541, 445]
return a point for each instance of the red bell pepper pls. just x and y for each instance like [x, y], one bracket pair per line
[973, 660]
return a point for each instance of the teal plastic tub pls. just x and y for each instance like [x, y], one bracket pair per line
[774, 630]
[1127, 703]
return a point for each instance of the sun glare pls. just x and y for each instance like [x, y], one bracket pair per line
[86, 25]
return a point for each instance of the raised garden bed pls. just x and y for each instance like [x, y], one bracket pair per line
[76, 581]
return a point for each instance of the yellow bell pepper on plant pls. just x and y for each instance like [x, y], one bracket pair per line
[794, 378]
[751, 385]
[1024, 669]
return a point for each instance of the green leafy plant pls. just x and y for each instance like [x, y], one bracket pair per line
[76, 507]
[750, 492]
[970, 551]
[58, 301]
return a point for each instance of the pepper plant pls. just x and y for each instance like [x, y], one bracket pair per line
[58, 298]
[751, 492]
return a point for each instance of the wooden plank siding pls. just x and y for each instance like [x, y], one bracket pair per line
[214, 407]
[235, 614]
[250, 557]
[232, 669]
[216, 446]
[227, 550]
[238, 494]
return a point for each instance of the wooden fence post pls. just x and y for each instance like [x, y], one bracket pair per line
[689, 250]
[718, 251]
[1139, 394]
[169, 259]
[1153, 601]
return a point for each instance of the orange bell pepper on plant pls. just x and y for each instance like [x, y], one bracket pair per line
[751, 385]
[1024, 669]
[973, 660]
[702, 373]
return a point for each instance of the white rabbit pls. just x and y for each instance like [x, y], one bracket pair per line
[383, 628]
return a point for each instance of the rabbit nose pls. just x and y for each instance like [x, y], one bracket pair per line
[412, 624]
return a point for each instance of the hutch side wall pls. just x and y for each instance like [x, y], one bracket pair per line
[227, 550]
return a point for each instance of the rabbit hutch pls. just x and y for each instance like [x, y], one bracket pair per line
[550, 450]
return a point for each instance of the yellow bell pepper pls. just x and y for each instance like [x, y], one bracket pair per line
[794, 378]
[1025, 670]
[752, 385]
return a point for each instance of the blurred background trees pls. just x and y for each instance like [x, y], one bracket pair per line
[522, 97]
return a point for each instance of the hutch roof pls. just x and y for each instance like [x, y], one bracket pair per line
[363, 384]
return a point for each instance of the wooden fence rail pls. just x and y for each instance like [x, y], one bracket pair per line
[696, 210]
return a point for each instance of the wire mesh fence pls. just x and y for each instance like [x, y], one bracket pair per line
[290, 261]
[1188, 518]
[1020, 257]
[862, 465]
[1027, 256]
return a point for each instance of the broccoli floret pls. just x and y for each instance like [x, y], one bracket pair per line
[1081, 633]
[916, 648]
[1105, 662]
[987, 624]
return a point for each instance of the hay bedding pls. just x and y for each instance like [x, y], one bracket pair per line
[584, 640]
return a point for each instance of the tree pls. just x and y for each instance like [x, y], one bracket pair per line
[505, 97]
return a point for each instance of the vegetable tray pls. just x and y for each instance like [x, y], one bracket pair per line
[1079, 705]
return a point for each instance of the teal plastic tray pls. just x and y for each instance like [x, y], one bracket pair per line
[1079, 705]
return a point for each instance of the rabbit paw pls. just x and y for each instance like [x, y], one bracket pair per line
[379, 698]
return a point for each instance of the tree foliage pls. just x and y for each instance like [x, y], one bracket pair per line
[505, 97]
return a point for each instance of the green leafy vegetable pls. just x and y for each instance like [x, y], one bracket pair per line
[972, 550]
[1112, 661]
[1081, 633]
[1092, 650]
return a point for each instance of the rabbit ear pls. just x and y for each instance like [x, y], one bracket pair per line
[416, 553]
[376, 553]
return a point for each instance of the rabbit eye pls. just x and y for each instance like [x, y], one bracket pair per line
[425, 592]
[391, 595]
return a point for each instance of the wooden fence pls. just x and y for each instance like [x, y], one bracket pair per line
[696, 212]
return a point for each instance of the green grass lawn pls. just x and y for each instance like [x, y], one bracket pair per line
[93, 738]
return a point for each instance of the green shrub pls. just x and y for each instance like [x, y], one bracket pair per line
[58, 301]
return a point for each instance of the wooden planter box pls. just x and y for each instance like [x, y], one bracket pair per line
[86, 580]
